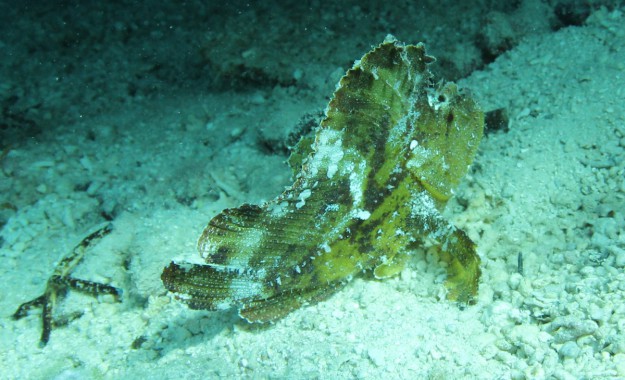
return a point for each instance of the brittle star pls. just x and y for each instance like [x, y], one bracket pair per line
[60, 282]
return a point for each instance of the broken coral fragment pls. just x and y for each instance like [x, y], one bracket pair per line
[61, 281]
[370, 188]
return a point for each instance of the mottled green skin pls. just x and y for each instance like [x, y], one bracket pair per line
[384, 162]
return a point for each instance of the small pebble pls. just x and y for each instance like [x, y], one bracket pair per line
[258, 98]
[297, 74]
[567, 328]
[515, 280]
[569, 350]
[619, 255]
[619, 359]
[377, 356]
[86, 163]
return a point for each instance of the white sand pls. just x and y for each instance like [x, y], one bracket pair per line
[552, 189]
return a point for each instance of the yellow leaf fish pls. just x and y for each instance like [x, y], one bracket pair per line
[368, 190]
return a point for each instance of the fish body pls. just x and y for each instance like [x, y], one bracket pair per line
[368, 191]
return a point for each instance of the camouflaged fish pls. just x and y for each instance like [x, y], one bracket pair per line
[370, 189]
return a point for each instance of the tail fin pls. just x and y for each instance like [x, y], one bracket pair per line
[209, 288]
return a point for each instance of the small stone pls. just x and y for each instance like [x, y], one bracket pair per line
[599, 313]
[567, 328]
[515, 280]
[622, 186]
[249, 53]
[619, 255]
[258, 98]
[94, 187]
[86, 163]
[406, 275]
[526, 334]
[570, 146]
[236, 132]
[377, 356]
[619, 360]
[569, 350]
[337, 314]
[486, 344]
[535, 371]
[498, 314]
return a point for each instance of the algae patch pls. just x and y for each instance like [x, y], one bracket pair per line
[369, 189]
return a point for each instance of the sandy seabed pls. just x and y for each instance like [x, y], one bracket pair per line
[115, 131]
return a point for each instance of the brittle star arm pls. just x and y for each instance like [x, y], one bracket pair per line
[60, 282]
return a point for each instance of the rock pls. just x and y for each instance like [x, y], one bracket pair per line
[619, 255]
[569, 350]
[377, 356]
[568, 328]
[619, 365]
